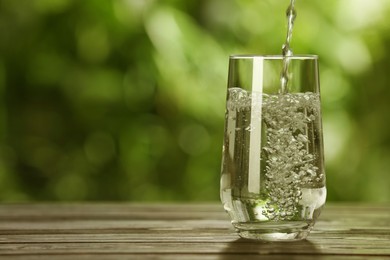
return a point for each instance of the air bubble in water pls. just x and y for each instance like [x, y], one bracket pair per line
[289, 163]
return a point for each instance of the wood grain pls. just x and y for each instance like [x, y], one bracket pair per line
[180, 231]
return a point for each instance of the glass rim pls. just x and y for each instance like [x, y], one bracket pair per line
[274, 57]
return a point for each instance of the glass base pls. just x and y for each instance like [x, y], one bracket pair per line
[253, 234]
[274, 232]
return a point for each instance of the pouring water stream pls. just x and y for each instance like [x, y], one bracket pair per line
[286, 49]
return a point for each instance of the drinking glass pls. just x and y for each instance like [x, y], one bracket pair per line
[273, 178]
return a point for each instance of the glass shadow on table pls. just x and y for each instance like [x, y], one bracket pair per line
[252, 249]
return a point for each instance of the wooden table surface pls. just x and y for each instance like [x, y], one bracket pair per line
[180, 231]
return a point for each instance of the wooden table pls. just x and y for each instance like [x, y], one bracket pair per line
[180, 231]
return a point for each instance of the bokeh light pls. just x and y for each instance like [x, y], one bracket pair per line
[125, 99]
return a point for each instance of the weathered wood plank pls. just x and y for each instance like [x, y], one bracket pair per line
[39, 212]
[134, 231]
[159, 211]
[164, 248]
[188, 257]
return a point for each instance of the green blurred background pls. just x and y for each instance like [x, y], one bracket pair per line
[125, 99]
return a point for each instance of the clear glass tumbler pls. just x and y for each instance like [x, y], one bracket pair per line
[273, 178]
